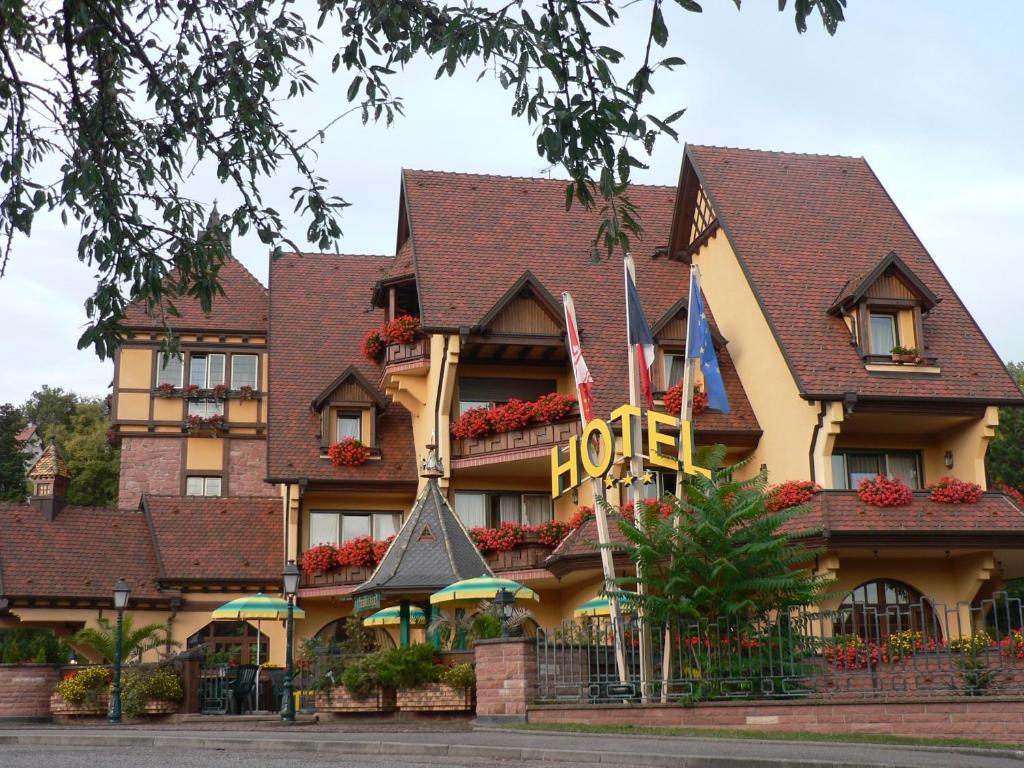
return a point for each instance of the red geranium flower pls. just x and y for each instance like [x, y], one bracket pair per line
[951, 490]
[884, 492]
[348, 452]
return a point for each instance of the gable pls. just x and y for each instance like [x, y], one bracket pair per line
[889, 280]
[526, 309]
[349, 388]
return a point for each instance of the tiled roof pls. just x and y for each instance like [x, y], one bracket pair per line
[200, 538]
[431, 551]
[26, 434]
[242, 308]
[320, 312]
[80, 554]
[474, 236]
[842, 512]
[584, 540]
[803, 226]
[50, 463]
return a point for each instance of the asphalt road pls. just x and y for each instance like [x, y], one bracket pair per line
[150, 747]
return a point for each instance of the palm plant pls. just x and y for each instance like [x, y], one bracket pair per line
[103, 639]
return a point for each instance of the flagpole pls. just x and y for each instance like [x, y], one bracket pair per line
[636, 469]
[600, 513]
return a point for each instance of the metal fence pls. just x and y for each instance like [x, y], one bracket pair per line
[859, 651]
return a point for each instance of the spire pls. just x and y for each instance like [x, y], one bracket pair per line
[215, 229]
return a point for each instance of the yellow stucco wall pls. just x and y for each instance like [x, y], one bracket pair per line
[786, 419]
[135, 368]
[204, 453]
[133, 406]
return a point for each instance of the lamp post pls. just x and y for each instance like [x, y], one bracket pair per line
[503, 601]
[121, 593]
[291, 586]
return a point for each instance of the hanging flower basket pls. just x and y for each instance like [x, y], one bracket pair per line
[951, 490]
[348, 452]
[374, 345]
[883, 492]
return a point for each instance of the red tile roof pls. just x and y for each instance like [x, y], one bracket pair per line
[198, 538]
[804, 225]
[242, 309]
[843, 513]
[320, 311]
[26, 434]
[80, 554]
[474, 236]
[584, 540]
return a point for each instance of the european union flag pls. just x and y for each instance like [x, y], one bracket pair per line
[699, 345]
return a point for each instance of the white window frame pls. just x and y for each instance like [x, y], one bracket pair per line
[207, 383]
[349, 414]
[491, 516]
[206, 407]
[161, 366]
[340, 514]
[893, 318]
[255, 371]
[207, 482]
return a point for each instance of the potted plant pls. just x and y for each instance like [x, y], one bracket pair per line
[453, 691]
[82, 692]
[905, 354]
[150, 691]
[245, 392]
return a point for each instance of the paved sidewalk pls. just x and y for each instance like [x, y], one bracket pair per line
[519, 746]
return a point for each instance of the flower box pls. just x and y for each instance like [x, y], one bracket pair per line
[905, 358]
[95, 708]
[435, 697]
[336, 576]
[338, 699]
[156, 707]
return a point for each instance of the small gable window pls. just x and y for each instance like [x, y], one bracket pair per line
[348, 408]
[349, 424]
[884, 336]
[675, 364]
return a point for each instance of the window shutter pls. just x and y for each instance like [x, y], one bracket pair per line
[500, 390]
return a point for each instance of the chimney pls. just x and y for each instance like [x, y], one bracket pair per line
[50, 477]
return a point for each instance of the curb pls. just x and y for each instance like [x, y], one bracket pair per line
[413, 749]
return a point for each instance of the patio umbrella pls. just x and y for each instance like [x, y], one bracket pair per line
[600, 606]
[257, 607]
[392, 617]
[481, 588]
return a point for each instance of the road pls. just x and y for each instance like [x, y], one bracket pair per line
[152, 747]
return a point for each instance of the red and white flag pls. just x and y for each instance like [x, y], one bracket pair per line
[579, 366]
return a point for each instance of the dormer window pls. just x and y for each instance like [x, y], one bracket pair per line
[348, 408]
[884, 311]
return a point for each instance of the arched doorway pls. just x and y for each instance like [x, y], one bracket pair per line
[882, 607]
[231, 642]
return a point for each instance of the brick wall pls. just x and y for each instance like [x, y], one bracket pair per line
[149, 465]
[25, 690]
[247, 466]
[999, 719]
[506, 678]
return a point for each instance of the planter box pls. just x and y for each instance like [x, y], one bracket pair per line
[435, 697]
[154, 707]
[336, 578]
[524, 556]
[905, 358]
[98, 708]
[338, 699]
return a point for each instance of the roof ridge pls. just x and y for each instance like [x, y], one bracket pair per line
[780, 152]
[507, 177]
[338, 255]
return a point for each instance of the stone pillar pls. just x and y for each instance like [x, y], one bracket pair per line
[25, 691]
[506, 679]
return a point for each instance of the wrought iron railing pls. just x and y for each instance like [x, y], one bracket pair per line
[859, 651]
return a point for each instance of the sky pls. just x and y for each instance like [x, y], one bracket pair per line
[931, 94]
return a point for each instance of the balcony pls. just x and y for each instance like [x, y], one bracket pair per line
[526, 556]
[335, 581]
[411, 358]
[526, 443]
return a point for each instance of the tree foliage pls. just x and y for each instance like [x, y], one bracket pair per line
[129, 98]
[720, 552]
[93, 464]
[50, 409]
[1005, 458]
[102, 639]
[12, 459]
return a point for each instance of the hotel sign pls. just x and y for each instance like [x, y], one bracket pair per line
[593, 454]
[366, 603]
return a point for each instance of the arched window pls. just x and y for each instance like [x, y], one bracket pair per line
[879, 608]
[231, 641]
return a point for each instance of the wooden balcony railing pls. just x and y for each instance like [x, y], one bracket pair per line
[397, 354]
[519, 443]
[340, 577]
[525, 556]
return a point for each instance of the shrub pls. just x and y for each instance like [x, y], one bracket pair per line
[1012, 492]
[84, 686]
[348, 452]
[140, 686]
[951, 490]
[792, 493]
[459, 676]
[884, 492]
[409, 667]
[40, 646]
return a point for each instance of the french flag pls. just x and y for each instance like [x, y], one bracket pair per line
[640, 338]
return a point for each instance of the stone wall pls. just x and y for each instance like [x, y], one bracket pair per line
[997, 718]
[149, 465]
[247, 466]
[506, 678]
[25, 691]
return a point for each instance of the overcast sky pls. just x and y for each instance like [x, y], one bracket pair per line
[930, 93]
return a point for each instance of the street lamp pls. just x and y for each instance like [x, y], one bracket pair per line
[504, 601]
[121, 593]
[291, 586]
